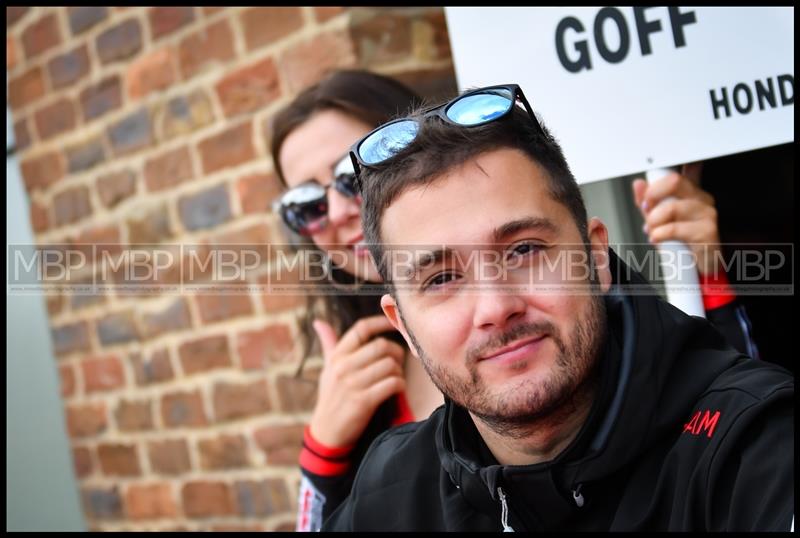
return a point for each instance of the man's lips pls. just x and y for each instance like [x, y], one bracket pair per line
[512, 350]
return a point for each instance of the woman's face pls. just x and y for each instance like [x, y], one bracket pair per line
[310, 153]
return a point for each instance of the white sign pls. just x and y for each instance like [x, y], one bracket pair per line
[630, 89]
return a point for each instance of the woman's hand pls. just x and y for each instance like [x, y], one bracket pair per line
[359, 373]
[676, 208]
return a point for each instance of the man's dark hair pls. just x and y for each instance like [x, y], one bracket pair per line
[441, 146]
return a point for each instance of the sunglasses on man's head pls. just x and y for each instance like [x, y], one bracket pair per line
[471, 109]
[304, 208]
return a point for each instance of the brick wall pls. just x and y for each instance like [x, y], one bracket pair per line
[150, 126]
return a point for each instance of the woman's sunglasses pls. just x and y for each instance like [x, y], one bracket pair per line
[304, 208]
[471, 109]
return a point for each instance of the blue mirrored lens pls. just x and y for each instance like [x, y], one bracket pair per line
[481, 107]
[386, 142]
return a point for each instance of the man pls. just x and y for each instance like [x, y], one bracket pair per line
[572, 400]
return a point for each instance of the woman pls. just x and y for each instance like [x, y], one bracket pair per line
[368, 381]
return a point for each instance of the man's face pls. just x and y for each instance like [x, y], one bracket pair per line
[508, 319]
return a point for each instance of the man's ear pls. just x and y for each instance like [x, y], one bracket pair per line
[598, 241]
[392, 311]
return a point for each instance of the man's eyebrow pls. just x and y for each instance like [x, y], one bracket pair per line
[429, 257]
[529, 223]
[432, 257]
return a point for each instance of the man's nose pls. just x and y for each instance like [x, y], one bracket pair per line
[496, 308]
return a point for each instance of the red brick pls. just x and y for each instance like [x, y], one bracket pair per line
[204, 354]
[383, 38]
[101, 504]
[82, 461]
[132, 133]
[205, 209]
[441, 36]
[11, 53]
[71, 205]
[101, 241]
[85, 155]
[209, 47]
[281, 444]
[309, 61]
[150, 73]
[262, 348]
[222, 306]
[279, 290]
[80, 299]
[117, 328]
[86, 420]
[40, 36]
[168, 169]
[116, 187]
[102, 373]
[165, 20]
[42, 171]
[169, 456]
[54, 304]
[26, 88]
[249, 88]
[133, 416]
[249, 247]
[257, 192]
[298, 394]
[150, 501]
[262, 498]
[183, 409]
[232, 527]
[70, 338]
[232, 401]
[223, 452]
[69, 68]
[83, 18]
[175, 317]
[149, 226]
[325, 13]
[119, 42]
[265, 25]
[118, 460]
[156, 368]
[55, 119]
[66, 376]
[183, 114]
[203, 499]
[40, 218]
[14, 13]
[22, 135]
[229, 148]
[97, 99]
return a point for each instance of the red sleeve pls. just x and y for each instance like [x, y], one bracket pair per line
[716, 290]
[404, 413]
[321, 459]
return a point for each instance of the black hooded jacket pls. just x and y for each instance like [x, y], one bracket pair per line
[685, 433]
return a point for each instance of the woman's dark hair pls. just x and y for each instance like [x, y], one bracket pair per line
[373, 99]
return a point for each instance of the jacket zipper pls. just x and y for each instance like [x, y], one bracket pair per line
[577, 496]
[504, 511]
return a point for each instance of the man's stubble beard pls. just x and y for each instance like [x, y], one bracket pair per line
[567, 386]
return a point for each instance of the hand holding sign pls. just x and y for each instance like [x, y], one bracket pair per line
[674, 207]
[677, 218]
